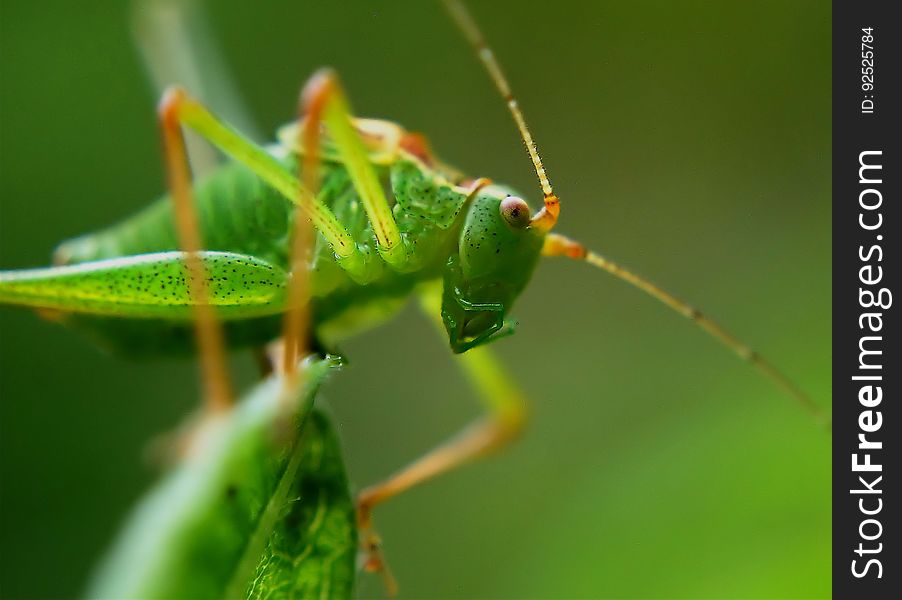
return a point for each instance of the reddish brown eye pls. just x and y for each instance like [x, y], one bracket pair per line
[515, 211]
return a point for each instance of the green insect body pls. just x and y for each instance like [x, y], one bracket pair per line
[143, 305]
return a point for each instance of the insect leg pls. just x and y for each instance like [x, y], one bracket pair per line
[297, 317]
[506, 414]
[323, 100]
[506, 418]
[185, 110]
[217, 389]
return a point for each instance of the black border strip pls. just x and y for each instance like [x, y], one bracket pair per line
[866, 229]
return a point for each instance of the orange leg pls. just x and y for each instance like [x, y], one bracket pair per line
[506, 417]
[217, 390]
[324, 101]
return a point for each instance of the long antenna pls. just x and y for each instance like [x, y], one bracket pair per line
[545, 219]
[559, 245]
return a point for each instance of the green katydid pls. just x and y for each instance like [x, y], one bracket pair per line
[466, 246]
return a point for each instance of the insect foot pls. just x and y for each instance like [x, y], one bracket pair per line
[371, 558]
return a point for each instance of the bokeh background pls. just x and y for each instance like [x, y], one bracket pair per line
[690, 140]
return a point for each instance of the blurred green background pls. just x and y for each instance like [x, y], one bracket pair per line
[691, 140]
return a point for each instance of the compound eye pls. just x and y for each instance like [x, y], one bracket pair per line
[515, 211]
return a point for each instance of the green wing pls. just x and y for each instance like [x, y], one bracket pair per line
[149, 286]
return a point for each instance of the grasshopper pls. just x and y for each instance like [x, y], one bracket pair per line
[465, 246]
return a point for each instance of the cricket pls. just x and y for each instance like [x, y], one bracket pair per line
[289, 249]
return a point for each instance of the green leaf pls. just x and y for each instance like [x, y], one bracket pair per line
[258, 507]
[312, 550]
